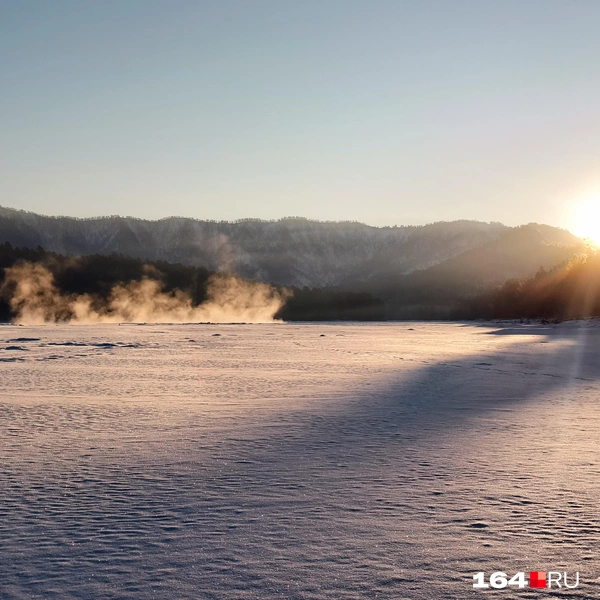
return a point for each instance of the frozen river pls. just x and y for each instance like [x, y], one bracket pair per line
[297, 461]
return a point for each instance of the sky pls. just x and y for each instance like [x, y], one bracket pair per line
[382, 111]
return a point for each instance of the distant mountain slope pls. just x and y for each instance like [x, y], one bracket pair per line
[518, 253]
[291, 251]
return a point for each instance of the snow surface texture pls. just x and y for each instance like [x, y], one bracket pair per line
[296, 461]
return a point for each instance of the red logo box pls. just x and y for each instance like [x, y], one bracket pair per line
[537, 579]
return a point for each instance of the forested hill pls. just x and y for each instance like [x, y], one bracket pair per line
[291, 251]
[568, 291]
[432, 271]
[97, 276]
[441, 291]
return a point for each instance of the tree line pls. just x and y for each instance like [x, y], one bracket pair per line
[97, 275]
[567, 291]
[570, 290]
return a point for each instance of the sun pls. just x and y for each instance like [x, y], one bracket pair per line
[586, 220]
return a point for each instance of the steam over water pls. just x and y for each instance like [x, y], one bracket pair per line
[308, 461]
[34, 298]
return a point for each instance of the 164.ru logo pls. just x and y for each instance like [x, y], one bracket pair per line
[537, 579]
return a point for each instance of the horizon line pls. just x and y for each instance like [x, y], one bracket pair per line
[275, 220]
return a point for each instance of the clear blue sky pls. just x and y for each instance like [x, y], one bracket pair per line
[384, 111]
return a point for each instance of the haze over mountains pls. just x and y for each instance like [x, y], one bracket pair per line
[299, 252]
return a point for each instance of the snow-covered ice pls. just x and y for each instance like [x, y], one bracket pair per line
[317, 461]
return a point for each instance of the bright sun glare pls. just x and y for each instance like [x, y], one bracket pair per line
[586, 223]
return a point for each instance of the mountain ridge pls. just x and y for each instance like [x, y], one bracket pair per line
[288, 251]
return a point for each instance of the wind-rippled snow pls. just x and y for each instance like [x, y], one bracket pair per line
[296, 461]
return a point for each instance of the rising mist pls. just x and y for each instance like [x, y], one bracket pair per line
[34, 298]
